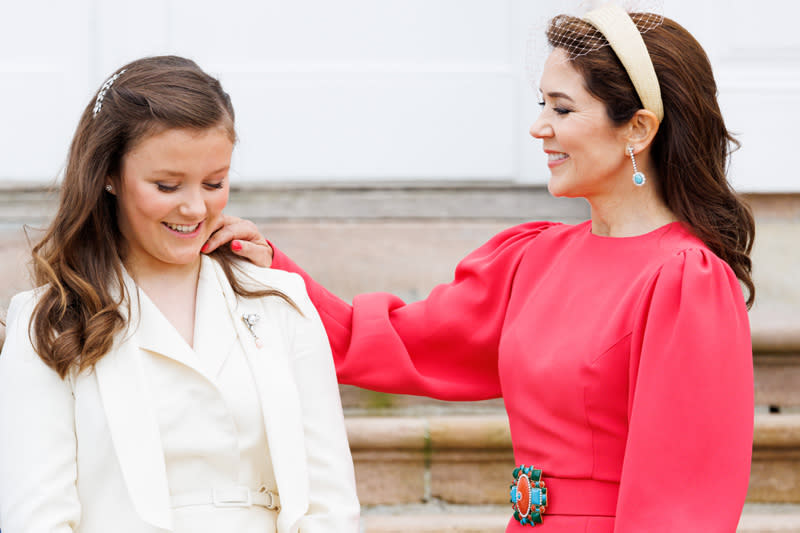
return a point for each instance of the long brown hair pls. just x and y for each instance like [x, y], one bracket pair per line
[692, 148]
[78, 262]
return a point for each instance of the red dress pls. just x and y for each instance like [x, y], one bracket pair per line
[625, 365]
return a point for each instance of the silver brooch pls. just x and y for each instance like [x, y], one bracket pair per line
[250, 320]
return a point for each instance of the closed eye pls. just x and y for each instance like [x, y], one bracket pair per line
[166, 188]
[558, 110]
[217, 185]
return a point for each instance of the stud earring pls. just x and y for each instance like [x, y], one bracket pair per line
[638, 177]
[109, 188]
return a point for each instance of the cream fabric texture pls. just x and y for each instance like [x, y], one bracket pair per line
[208, 411]
[88, 454]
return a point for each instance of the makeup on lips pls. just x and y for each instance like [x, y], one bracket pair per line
[555, 158]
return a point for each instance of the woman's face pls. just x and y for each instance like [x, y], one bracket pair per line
[173, 188]
[585, 151]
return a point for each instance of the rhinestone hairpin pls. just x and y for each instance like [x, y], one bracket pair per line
[98, 104]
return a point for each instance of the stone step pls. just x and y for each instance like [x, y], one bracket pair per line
[437, 518]
[468, 459]
[777, 375]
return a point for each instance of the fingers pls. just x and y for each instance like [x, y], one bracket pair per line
[224, 219]
[245, 240]
[230, 228]
[258, 254]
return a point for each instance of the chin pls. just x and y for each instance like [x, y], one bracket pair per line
[185, 259]
[555, 190]
[563, 189]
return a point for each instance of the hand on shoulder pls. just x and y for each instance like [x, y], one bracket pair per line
[245, 240]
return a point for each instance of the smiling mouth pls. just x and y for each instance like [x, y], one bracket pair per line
[556, 157]
[182, 228]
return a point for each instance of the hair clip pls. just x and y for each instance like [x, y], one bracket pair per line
[98, 104]
[250, 320]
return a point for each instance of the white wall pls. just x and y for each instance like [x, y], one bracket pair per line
[370, 89]
[755, 51]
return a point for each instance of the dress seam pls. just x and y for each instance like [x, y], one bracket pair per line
[614, 345]
[592, 427]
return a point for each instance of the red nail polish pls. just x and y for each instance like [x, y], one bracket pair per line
[236, 246]
[204, 249]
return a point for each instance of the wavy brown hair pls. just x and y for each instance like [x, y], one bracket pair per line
[79, 260]
[692, 147]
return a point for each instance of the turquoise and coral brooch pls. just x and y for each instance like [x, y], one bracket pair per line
[528, 495]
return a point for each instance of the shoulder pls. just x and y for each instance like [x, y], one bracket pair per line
[288, 283]
[510, 244]
[694, 306]
[533, 235]
[698, 264]
[524, 233]
[502, 254]
[694, 276]
[17, 318]
[18, 349]
[687, 256]
[21, 306]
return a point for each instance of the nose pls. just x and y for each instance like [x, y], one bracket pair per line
[193, 205]
[541, 127]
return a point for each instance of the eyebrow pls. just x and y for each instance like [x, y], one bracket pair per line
[178, 174]
[560, 95]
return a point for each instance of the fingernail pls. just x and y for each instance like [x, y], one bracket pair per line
[236, 246]
[204, 249]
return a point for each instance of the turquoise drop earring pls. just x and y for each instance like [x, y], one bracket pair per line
[638, 177]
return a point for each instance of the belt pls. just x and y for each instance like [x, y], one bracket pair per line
[228, 497]
[582, 497]
[533, 495]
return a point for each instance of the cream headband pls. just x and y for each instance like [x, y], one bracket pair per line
[621, 33]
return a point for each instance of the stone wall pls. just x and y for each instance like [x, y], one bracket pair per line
[406, 238]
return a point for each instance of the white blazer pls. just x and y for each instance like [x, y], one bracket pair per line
[84, 454]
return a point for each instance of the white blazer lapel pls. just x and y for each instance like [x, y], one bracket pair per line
[133, 426]
[279, 401]
[154, 333]
[213, 338]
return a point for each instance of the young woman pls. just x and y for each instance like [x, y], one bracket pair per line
[147, 388]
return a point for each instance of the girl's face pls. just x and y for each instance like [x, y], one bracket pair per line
[585, 150]
[173, 188]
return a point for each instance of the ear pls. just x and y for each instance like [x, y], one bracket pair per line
[641, 130]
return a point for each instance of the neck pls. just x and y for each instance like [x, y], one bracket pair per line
[163, 275]
[173, 289]
[631, 213]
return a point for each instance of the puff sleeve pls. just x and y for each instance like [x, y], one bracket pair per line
[444, 346]
[690, 404]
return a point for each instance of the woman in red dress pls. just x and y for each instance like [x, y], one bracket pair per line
[621, 345]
